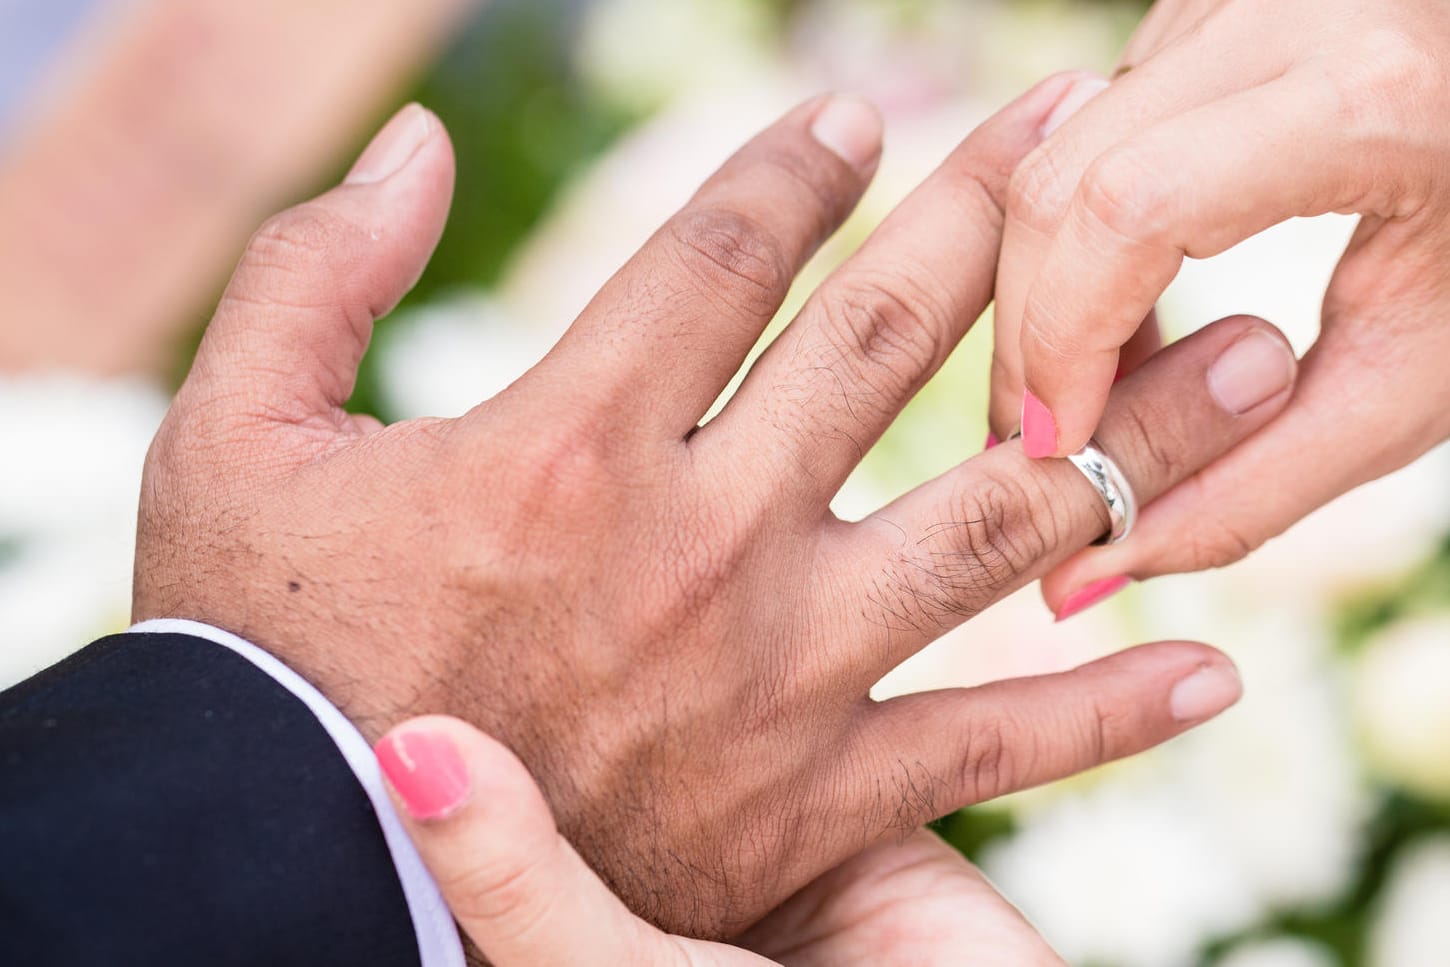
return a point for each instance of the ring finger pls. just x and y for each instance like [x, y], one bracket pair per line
[957, 544]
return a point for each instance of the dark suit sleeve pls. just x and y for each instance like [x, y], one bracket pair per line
[164, 801]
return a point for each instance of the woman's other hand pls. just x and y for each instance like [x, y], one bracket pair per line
[526, 898]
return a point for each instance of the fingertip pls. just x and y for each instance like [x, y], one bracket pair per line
[1039, 427]
[1207, 691]
[425, 768]
[1257, 368]
[1089, 594]
[851, 128]
[394, 146]
[1084, 86]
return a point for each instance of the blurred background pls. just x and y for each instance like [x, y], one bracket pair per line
[141, 142]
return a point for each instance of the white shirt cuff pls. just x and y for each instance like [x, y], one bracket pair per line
[438, 942]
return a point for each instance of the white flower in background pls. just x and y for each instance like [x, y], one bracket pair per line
[1280, 952]
[1274, 781]
[448, 356]
[1280, 275]
[1402, 704]
[1410, 927]
[1116, 876]
[73, 456]
[1260, 810]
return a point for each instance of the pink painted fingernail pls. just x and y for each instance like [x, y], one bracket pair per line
[1039, 429]
[1205, 693]
[992, 440]
[851, 129]
[1090, 594]
[426, 770]
[1079, 94]
[392, 147]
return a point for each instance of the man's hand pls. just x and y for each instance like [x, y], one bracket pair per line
[524, 897]
[664, 620]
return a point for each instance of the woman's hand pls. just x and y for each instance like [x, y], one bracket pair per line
[525, 897]
[1227, 118]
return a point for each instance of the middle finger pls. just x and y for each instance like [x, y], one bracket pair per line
[872, 335]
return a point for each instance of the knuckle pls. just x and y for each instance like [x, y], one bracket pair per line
[733, 256]
[1219, 544]
[1153, 442]
[502, 895]
[1126, 194]
[897, 330]
[1106, 734]
[308, 232]
[1039, 190]
[1004, 528]
[296, 259]
[998, 529]
[561, 468]
[990, 766]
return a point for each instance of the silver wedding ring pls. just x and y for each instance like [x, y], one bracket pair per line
[1108, 480]
[1112, 486]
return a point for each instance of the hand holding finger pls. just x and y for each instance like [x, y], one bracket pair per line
[515, 886]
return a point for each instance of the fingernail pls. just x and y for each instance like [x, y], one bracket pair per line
[1090, 594]
[1254, 368]
[992, 440]
[1077, 95]
[426, 770]
[851, 129]
[1039, 429]
[1205, 693]
[392, 147]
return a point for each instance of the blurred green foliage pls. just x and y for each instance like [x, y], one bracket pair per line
[522, 122]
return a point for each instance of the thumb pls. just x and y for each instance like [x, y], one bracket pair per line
[296, 318]
[515, 886]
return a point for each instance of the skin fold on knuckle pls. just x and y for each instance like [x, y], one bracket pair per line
[998, 530]
[732, 257]
[1125, 193]
[979, 195]
[505, 895]
[1105, 733]
[991, 764]
[887, 335]
[1039, 190]
[1151, 445]
[1214, 542]
[293, 246]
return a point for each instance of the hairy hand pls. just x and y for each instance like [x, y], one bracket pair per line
[664, 620]
[522, 894]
